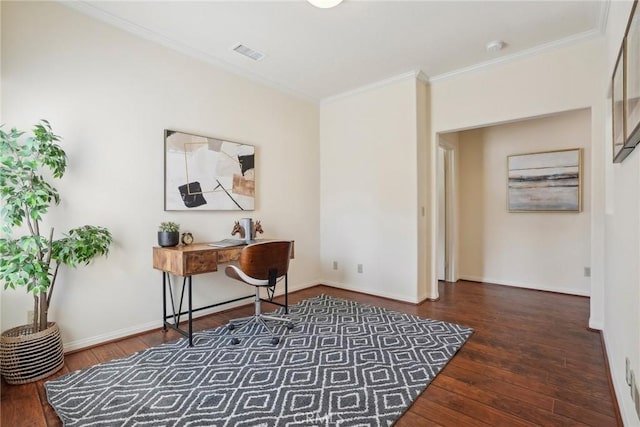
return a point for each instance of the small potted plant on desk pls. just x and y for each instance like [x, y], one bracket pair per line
[168, 234]
[32, 352]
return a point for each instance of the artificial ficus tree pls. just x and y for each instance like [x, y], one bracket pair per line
[32, 260]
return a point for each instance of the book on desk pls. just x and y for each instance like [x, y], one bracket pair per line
[227, 243]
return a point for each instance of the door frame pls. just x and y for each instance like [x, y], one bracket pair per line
[451, 208]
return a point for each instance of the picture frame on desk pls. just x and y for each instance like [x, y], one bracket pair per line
[206, 173]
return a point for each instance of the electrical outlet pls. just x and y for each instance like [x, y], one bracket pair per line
[335, 265]
[359, 268]
[627, 370]
[587, 272]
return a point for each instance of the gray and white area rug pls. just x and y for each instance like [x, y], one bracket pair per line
[344, 364]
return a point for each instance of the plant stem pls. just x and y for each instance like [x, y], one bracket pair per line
[44, 311]
[36, 317]
[49, 250]
[53, 282]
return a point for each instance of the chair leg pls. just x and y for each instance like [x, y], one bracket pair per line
[258, 318]
[275, 319]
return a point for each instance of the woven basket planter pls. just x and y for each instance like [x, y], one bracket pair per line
[26, 356]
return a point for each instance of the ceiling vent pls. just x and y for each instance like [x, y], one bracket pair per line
[248, 52]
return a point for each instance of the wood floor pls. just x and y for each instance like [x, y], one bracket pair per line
[531, 361]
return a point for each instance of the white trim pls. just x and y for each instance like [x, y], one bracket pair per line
[369, 291]
[596, 325]
[604, 16]
[536, 50]
[93, 11]
[621, 389]
[120, 333]
[415, 74]
[422, 76]
[532, 286]
[451, 209]
[149, 326]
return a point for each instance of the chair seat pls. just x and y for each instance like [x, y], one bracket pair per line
[235, 272]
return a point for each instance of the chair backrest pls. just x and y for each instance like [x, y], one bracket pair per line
[266, 260]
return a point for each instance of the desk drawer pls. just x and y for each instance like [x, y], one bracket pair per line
[198, 262]
[229, 255]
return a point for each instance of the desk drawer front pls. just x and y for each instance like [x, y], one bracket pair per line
[200, 262]
[229, 255]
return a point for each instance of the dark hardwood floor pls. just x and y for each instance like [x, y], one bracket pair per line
[531, 361]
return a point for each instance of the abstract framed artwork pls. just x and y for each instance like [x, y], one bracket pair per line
[204, 173]
[549, 181]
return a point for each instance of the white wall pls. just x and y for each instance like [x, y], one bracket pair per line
[368, 190]
[110, 95]
[622, 247]
[546, 251]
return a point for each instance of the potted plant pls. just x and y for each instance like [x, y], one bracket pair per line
[31, 261]
[168, 234]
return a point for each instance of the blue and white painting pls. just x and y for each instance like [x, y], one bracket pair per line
[547, 181]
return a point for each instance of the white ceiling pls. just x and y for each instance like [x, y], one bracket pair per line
[320, 53]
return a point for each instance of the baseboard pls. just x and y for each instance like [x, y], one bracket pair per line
[111, 336]
[149, 326]
[533, 286]
[598, 326]
[620, 388]
[371, 292]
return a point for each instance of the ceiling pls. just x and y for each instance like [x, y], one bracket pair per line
[321, 53]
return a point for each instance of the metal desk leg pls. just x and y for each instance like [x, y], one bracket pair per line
[286, 293]
[164, 301]
[190, 316]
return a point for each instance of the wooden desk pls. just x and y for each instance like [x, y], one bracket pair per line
[187, 261]
[193, 259]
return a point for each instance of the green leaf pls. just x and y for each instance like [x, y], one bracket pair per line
[25, 197]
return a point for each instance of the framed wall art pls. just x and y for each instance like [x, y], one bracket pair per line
[625, 90]
[549, 181]
[205, 173]
[632, 80]
[618, 108]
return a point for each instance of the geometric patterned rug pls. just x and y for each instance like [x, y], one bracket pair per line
[343, 364]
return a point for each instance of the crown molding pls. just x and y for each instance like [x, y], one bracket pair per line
[415, 74]
[536, 50]
[604, 16]
[95, 12]
[422, 76]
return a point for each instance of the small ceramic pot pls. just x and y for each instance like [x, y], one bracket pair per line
[168, 238]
